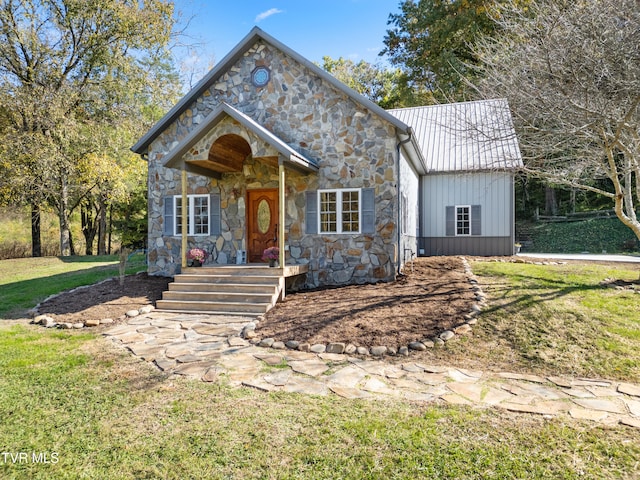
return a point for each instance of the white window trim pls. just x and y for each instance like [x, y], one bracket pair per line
[339, 192]
[455, 220]
[191, 213]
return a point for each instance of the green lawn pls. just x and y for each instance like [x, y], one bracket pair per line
[559, 319]
[26, 281]
[94, 411]
[99, 413]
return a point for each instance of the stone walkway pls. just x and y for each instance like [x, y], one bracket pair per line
[212, 348]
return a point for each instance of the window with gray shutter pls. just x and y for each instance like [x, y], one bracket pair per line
[368, 210]
[214, 212]
[311, 215]
[168, 217]
[451, 221]
[476, 220]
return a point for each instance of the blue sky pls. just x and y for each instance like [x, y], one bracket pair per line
[353, 29]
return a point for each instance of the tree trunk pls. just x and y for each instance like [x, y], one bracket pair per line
[36, 242]
[63, 216]
[110, 226]
[88, 226]
[550, 201]
[102, 227]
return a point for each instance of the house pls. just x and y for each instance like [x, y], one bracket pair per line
[270, 150]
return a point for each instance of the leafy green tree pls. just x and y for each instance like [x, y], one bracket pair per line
[69, 68]
[431, 41]
[388, 88]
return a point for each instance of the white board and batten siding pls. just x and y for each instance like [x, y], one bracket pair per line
[491, 194]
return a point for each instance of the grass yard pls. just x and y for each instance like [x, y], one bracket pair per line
[74, 406]
[26, 281]
[96, 412]
[558, 319]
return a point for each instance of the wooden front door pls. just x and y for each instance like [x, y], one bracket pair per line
[262, 222]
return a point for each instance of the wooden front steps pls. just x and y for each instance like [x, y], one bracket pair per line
[246, 290]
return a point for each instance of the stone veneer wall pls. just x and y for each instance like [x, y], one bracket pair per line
[353, 147]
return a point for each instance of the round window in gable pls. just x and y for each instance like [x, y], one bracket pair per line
[260, 76]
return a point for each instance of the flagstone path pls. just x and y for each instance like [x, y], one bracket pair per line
[211, 348]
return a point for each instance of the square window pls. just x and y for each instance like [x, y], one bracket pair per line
[197, 215]
[339, 211]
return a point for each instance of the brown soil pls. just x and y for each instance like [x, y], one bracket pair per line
[105, 299]
[423, 303]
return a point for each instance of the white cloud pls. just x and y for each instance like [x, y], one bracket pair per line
[267, 14]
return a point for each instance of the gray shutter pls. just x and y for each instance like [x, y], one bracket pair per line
[368, 210]
[214, 214]
[311, 215]
[476, 220]
[451, 221]
[168, 219]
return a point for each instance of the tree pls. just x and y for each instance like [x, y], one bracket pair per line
[431, 40]
[387, 88]
[66, 69]
[571, 72]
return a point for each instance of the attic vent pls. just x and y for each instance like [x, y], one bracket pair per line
[260, 76]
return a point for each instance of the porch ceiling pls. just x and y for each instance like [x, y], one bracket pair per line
[229, 151]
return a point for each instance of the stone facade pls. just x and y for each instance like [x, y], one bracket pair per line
[353, 147]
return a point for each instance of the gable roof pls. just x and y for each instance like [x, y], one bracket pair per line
[466, 136]
[292, 157]
[404, 131]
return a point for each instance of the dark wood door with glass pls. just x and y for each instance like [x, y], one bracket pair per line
[262, 222]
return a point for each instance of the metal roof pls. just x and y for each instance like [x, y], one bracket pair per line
[467, 136]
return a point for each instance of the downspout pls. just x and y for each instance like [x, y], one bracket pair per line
[398, 194]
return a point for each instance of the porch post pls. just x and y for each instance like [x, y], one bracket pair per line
[185, 206]
[281, 208]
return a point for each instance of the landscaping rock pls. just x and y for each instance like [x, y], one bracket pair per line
[266, 342]
[292, 344]
[392, 351]
[362, 351]
[91, 323]
[418, 346]
[318, 348]
[248, 334]
[378, 351]
[146, 309]
[278, 345]
[336, 348]
[304, 347]
[462, 329]
[77, 325]
[132, 313]
[350, 349]
[48, 322]
[65, 326]
[404, 351]
[106, 321]
[438, 342]
[447, 335]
